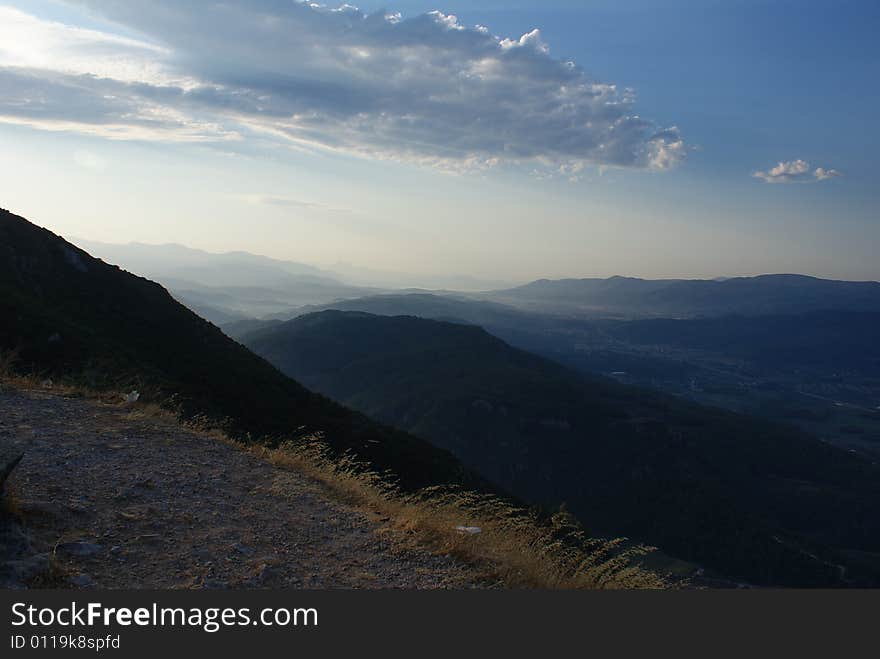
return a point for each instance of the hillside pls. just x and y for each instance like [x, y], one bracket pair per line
[68, 315]
[753, 500]
[627, 296]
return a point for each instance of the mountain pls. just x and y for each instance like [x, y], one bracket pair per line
[753, 500]
[231, 286]
[631, 297]
[67, 314]
[197, 265]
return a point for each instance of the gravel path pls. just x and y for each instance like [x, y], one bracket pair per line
[120, 500]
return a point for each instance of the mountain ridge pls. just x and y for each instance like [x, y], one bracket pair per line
[772, 293]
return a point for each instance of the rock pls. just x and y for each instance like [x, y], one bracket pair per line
[82, 581]
[23, 571]
[469, 530]
[242, 549]
[81, 548]
[268, 574]
[214, 584]
[202, 555]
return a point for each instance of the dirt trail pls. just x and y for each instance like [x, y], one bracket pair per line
[126, 501]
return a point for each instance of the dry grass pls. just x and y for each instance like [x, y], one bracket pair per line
[7, 361]
[11, 377]
[515, 548]
[12, 500]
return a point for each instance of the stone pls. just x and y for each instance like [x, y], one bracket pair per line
[214, 584]
[80, 548]
[21, 572]
[242, 549]
[82, 581]
[469, 530]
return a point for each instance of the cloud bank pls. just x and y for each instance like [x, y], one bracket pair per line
[426, 89]
[796, 171]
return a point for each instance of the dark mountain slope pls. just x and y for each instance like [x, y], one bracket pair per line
[766, 294]
[751, 499]
[68, 314]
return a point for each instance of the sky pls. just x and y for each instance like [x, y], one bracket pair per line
[509, 140]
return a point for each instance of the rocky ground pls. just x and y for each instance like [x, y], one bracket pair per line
[108, 497]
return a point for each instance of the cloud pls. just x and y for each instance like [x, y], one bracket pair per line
[425, 89]
[28, 42]
[796, 171]
[289, 202]
[106, 107]
[822, 174]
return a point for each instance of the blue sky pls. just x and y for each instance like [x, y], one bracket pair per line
[475, 162]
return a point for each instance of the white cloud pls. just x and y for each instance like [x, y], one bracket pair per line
[289, 202]
[822, 174]
[426, 89]
[28, 42]
[796, 171]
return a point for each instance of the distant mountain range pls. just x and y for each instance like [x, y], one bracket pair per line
[235, 286]
[751, 499]
[631, 297]
[207, 268]
[227, 287]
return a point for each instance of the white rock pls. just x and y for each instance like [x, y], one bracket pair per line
[469, 530]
